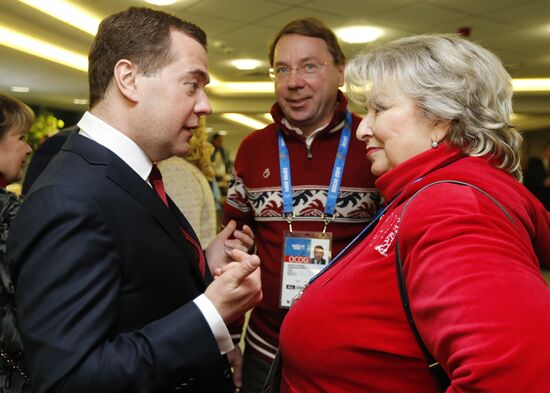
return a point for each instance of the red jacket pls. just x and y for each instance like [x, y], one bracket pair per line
[254, 198]
[477, 295]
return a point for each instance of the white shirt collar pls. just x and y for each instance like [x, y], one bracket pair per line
[94, 128]
[311, 136]
[287, 124]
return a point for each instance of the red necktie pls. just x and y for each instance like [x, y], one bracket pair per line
[156, 181]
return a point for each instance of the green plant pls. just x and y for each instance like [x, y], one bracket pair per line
[45, 125]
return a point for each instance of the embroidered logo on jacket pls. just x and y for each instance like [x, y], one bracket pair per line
[385, 236]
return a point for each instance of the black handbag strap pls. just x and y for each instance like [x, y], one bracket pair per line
[437, 371]
[272, 383]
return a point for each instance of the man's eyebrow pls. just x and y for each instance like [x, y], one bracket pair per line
[304, 60]
[200, 74]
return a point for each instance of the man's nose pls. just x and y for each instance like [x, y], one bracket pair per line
[295, 78]
[203, 106]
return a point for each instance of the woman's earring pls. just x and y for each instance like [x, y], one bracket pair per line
[434, 144]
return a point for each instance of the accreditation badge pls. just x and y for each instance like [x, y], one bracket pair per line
[304, 255]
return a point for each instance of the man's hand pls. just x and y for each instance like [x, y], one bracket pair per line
[235, 358]
[237, 286]
[218, 252]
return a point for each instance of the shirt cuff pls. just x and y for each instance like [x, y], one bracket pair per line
[216, 323]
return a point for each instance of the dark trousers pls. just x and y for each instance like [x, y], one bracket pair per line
[254, 373]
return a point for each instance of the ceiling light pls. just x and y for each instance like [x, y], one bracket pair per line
[69, 13]
[80, 101]
[222, 132]
[160, 2]
[531, 84]
[243, 87]
[268, 117]
[20, 89]
[245, 64]
[219, 87]
[244, 120]
[359, 34]
[36, 47]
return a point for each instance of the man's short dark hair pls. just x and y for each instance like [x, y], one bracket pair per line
[140, 35]
[310, 27]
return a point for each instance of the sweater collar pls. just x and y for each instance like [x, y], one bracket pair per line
[395, 180]
[334, 124]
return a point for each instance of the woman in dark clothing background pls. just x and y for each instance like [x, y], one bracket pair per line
[16, 119]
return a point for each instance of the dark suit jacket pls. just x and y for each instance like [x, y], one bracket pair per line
[43, 155]
[105, 283]
[534, 176]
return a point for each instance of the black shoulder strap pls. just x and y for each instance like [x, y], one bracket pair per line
[435, 368]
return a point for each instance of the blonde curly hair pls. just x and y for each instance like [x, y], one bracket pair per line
[449, 78]
[200, 150]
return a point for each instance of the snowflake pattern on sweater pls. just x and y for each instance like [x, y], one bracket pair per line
[309, 201]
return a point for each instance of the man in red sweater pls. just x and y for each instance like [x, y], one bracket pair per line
[306, 173]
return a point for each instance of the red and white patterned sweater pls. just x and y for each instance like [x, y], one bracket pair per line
[254, 198]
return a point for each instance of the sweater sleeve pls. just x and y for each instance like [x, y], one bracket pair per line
[237, 205]
[477, 295]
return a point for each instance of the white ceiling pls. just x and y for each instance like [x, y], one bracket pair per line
[517, 30]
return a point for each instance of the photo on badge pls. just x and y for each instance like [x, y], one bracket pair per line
[304, 255]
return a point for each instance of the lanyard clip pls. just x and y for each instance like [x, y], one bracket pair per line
[289, 217]
[327, 218]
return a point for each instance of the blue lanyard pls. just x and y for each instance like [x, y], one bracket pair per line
[337, 171]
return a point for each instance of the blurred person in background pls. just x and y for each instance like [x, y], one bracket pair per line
[220, 158]
[537, 176]
[438, 117]
[16, 118]
[187, 182]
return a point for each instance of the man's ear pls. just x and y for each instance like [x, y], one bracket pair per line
[125, 74]
[341, 68]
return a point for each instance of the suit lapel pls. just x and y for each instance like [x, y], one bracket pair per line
[127, 179]
[146, 196]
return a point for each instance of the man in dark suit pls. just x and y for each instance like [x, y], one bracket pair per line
[113, 292]
[537, 176]
[318, 255]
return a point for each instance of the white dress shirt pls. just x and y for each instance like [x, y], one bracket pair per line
[97, 130]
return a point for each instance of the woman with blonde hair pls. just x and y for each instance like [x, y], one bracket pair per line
[448, 282]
